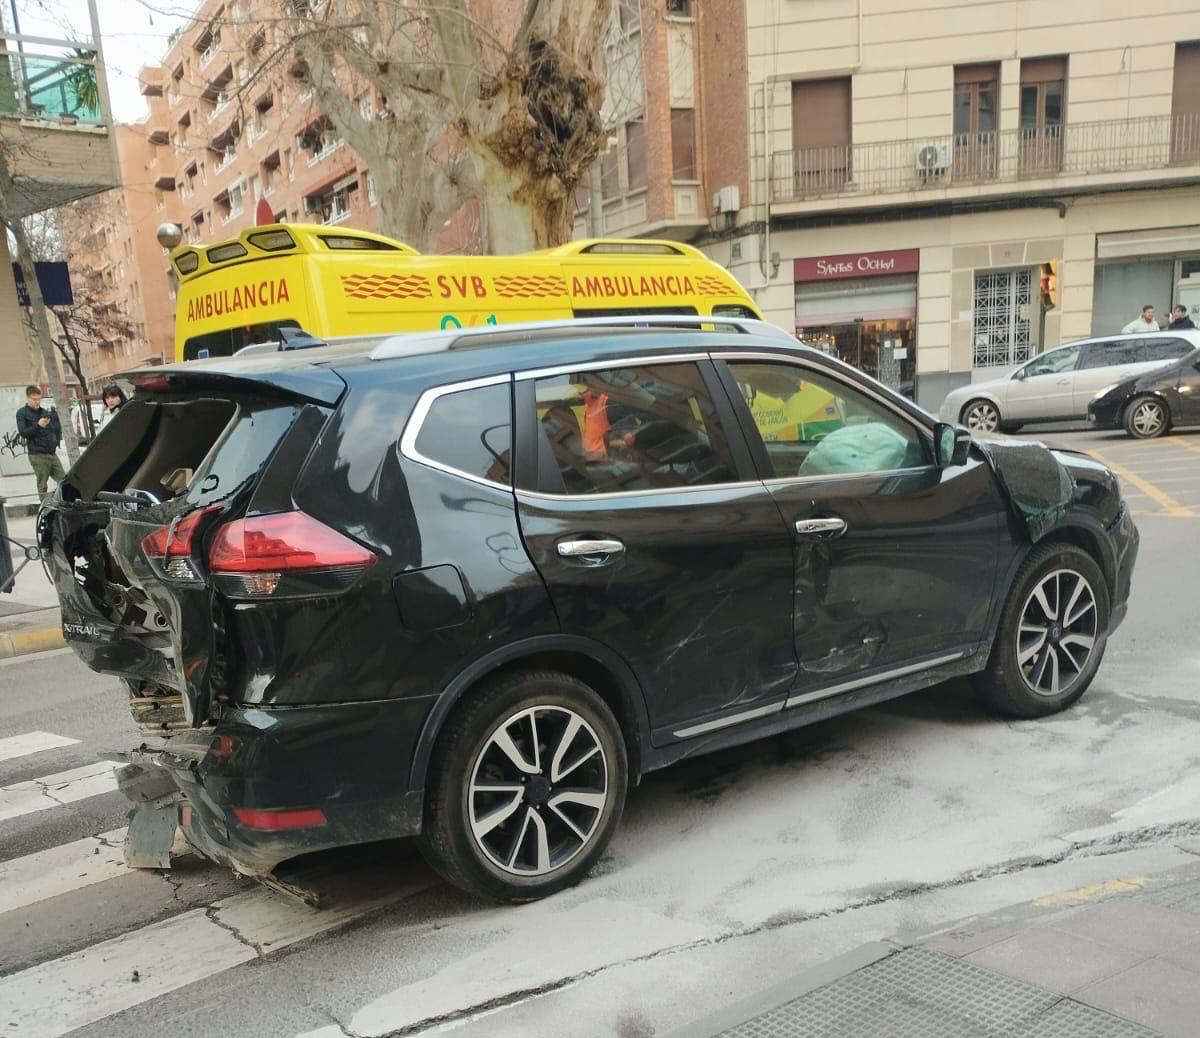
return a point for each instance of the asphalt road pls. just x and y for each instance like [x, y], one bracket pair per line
[729, 873]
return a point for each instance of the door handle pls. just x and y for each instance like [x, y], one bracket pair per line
[1064, 382]
[589, 546]
[832, 527]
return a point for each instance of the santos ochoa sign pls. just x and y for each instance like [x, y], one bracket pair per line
[858, 265]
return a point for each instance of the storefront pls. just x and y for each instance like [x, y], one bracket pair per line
[1158, 266]
[862, 308]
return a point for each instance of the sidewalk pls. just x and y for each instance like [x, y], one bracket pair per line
[29, 617]
[1111, 960]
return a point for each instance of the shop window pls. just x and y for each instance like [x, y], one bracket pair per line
[683, 144]
[1120, 290]
[821, 127]
[1002, 327]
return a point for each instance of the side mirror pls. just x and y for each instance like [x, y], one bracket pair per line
[1196, 364]
[1020, 375]
[951, 445]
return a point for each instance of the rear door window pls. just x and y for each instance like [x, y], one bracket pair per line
[627, 429]
[1115, 353]
[469, 431]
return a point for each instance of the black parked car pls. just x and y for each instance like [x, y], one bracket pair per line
[472, 586]
[1147, 406]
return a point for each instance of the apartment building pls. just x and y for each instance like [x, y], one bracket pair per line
[118, 270]
[942, 188]
[676, 107]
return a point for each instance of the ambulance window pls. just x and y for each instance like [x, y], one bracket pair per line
[814, 425]
[734, 310]
[627, 429]
[636, 311]
[227, 342]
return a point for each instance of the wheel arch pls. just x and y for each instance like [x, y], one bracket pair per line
[594, 664]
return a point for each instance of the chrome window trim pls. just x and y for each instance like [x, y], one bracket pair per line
[412, 430]
[780, 481]
[850, 686]
[611, 495]
[610, 362]
[814, 696]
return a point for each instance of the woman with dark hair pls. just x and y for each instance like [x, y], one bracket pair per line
[114, 399]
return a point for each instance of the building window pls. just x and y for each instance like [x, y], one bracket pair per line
[821, 135]
[610, 181]
[635, 154]
[366, 106]
[1043, 110]
[1185, 104]
[372, 190]
[629, 14]
[1003, 318]
[683, 144]
[679, 8]
[976, 100]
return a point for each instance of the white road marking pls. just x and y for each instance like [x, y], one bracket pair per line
[32, 742]
[65, 787]
[55, 997]
[60, 870]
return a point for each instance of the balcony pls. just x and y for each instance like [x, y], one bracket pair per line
[54, 121]
[1160, 149]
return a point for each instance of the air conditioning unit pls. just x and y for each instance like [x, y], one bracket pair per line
[727, 200]
[932, 158]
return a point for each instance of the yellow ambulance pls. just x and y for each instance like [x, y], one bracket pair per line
[337, 284]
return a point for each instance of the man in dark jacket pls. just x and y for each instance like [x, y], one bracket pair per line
[1180, 319]
[42, 433]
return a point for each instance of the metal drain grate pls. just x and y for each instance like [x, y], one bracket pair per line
[920, 993]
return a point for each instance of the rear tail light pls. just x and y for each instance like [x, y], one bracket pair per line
[170, 547]
[274, 821]
[284, 554]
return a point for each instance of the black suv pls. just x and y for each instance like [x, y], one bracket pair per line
[472, 586]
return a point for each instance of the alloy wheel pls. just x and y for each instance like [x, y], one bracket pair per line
[538, 790]
[1057, 632]
[982, 417]
[1148, 418]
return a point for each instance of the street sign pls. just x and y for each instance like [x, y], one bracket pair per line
[54, 280]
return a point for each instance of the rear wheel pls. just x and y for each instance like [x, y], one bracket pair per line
[1052, 634]
[1146, 417]
[981, 416]
[526, 787]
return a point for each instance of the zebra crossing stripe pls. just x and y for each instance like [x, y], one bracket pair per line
[65, 787]
[32, 742]
[60, 870]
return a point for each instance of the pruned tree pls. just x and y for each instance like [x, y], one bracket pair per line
[487, 102]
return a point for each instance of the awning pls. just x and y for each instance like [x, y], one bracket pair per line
[1160, 241]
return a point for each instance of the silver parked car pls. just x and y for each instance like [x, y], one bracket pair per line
[1058, 385]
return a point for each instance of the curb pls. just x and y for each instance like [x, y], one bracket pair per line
[21, 643]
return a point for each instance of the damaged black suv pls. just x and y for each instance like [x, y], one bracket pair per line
[471, 586]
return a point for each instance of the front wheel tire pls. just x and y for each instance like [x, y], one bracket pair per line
[526, 787]
[1146, 417]
[1052, 634]
[981, 416]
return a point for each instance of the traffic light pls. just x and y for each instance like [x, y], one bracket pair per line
[1050, 285]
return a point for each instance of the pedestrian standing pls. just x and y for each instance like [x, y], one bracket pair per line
[114, 400]
[1179, 319]
[1145, 323]
[42, 433]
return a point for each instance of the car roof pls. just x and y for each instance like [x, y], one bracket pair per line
[1191, 334]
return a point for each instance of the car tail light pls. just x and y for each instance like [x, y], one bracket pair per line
[274, 821]
[284, 553]
[170, 546]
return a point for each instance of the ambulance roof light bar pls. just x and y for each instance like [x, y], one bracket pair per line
[402, 345]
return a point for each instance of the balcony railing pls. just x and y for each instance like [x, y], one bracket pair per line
[1009, 156]
[62, 86]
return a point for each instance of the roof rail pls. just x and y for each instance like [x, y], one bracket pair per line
[400, 345]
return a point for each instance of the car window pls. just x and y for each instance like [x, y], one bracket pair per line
[626, 429]
[1053, 363]
[1167, 349]
[814, 425]
[470, 431]
[1114, 353]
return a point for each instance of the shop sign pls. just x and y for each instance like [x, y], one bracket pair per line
[858, 265]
